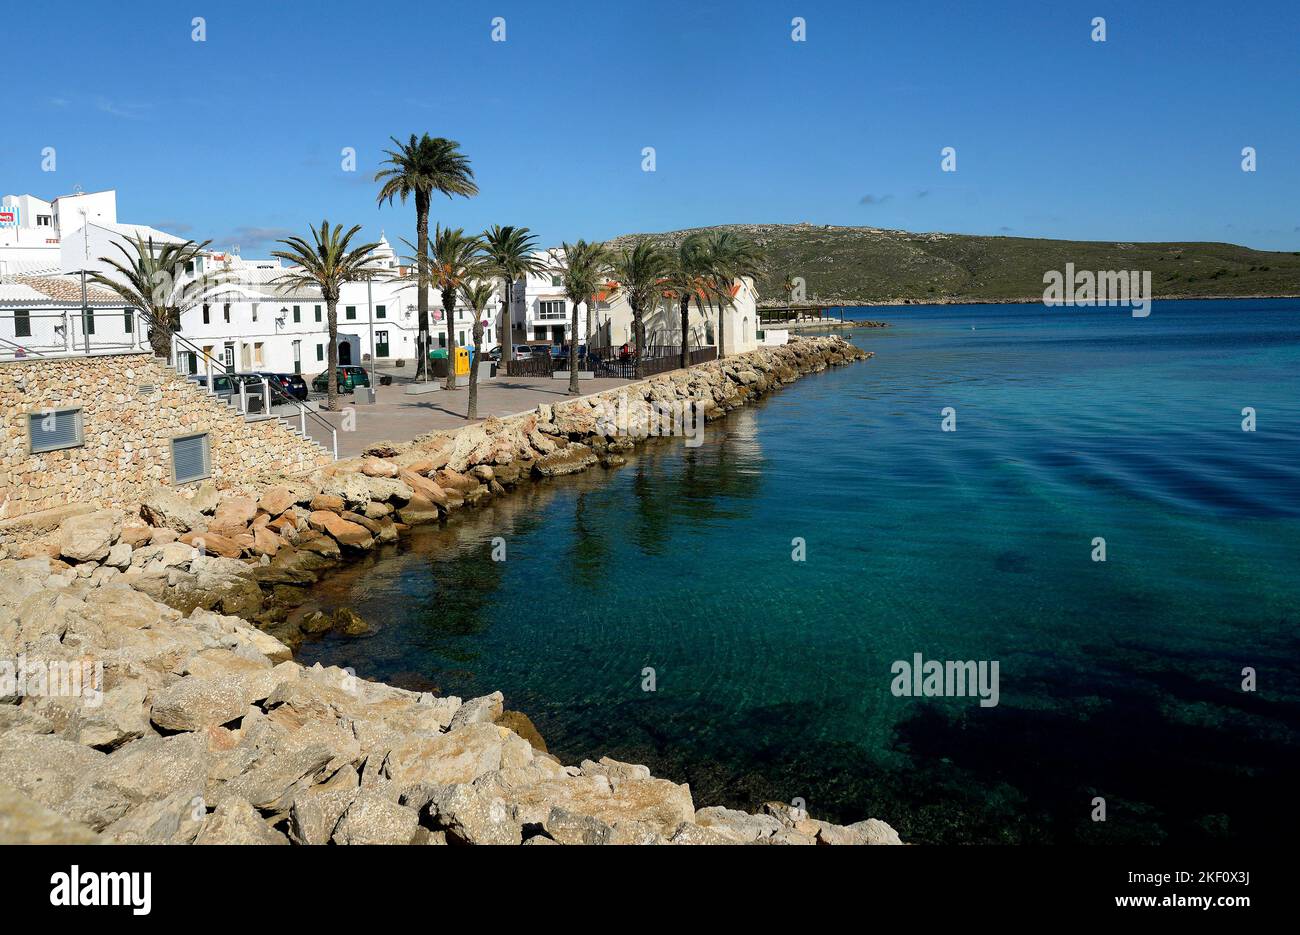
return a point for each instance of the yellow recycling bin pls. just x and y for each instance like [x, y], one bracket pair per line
[462, 361]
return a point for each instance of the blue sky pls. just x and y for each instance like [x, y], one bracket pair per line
[238, 138]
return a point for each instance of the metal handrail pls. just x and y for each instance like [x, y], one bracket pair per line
[267, 388]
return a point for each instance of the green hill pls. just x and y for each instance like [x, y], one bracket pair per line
[865, 265]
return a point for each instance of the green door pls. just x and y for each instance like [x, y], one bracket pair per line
[381, 343]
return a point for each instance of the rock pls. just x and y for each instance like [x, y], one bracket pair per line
[470, 815]
[162, 536]
[194, 702]
[276, 500]
[88, 537]
[265, 541]
[177, 819]
[522, 725]
[315, 813]
[211, 543]
[691, 833]
[237, 511]
[871, 831]
[164, 507]
[349, 622]
[119, 556]
[374, 467]
[483, 710]
[373, 819]
[205, 498]
[24, 820]
[569, 460]
[350, 487]
[135, 535]
[458, 756]
[120, 717]
[235, 821]
[429, 489]
[340, 530]
[741, 827]
[419, 509]
[327, 502]
[45, 767]
[567, 827]
[147, 770]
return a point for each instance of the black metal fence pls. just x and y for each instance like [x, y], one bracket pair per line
[658, 359]
[530, 367]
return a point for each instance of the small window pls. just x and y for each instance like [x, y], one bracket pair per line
[206, 318]
[320, 351]
[225, 310]
[42, 220]
[54, 429]
[557, 281]
[318, 313]
[22, 323]
[88, 320]
[129, 321]
[297, 314]
[191, 458]
[350, 312]
[381, 311]
[254, 311]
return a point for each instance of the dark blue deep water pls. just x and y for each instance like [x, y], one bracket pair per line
[1120, 679]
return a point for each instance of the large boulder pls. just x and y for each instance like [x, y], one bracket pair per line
[275, 500]
[372, 818]
[88, 538]
[235, 821]
[24, 820]
[165, 507]
[340, 530]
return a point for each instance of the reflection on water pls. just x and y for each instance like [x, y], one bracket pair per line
[1119, 679]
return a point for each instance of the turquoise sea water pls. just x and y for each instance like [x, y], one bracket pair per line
[1119, 679]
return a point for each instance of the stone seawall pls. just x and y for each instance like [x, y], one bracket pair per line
[207, 731]
[132, 405]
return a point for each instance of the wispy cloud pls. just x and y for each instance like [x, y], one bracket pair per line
[874, 199]
[257, 238]
[59, 102]
[128, 110]
[923, 193]
[173, 227]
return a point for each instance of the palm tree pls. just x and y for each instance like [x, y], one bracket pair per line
[477, 295]
[728, 257]
[686, 278]
[418, 168]
[511, 255]
[453, 259]
[154, 279]
[326, 264]
[640, 273]
[582, 267]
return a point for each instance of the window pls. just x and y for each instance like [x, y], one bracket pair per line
[42, 220]
[381, 311]
[225, 311]
[189, 267]
[320, 351]
[297, 314]
[128, 319]
[191, 458]
[539, 332]
[318, 313]
[350, 312]
[22, 323]
[551, 311]
[442, 339]
[254, 311]
[557, 281]
[88, 320]
[461, 339]
[206, 318]
[54, 429]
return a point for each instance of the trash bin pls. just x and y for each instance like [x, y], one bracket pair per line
[462, 362]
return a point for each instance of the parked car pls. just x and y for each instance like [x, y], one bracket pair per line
[290, 384]
[227, 385]
[349, 378]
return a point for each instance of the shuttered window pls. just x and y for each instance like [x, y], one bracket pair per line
[54, 429]
[22, 323]
[191, 459]
[128, 319]
[350, 312]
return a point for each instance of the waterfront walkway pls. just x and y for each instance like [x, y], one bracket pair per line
[395, 416]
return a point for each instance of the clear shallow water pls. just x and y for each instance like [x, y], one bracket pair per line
[1119, 679]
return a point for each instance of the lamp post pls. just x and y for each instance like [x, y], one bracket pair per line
[370, 303]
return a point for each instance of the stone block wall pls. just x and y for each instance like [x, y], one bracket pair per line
[132, 406]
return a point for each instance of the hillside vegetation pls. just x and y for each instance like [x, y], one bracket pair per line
[859, 265]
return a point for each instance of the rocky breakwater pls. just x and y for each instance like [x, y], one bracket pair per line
[123, 720]
[255, 552]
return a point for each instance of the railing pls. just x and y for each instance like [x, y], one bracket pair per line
[70, 332]
[658, 359]
[271, 394]
[530, 367]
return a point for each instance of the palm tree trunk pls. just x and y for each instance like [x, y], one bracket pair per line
[722, 328]
[505, 338]
[332, 358]
[422, 299]
[686, 321]
[472, 412]
[573, 352]
[638, 340]
[449, 312]
[591, 321]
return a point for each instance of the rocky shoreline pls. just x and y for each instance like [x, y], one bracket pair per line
[140, 705]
